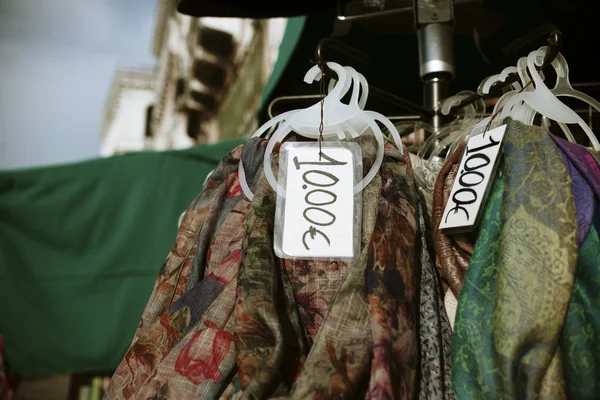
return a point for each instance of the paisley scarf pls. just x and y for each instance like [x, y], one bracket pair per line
[516, 293]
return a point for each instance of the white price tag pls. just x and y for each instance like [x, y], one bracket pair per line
[472, 184]
[318, 212]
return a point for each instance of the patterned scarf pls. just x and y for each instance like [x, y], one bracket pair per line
[435, 335]
[302, 329]
[453, 251]
[580, 342]
[183, 345]
[365, 345]
[514, 300]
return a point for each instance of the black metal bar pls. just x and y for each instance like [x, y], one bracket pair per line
[530, 37]
[554, 45]
[357, 10]
[586, 85]
[400, 102]
[342, 48]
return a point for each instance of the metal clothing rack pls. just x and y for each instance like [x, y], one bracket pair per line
[554, 46]
[434, 85]
[434, 21]
[327, 44]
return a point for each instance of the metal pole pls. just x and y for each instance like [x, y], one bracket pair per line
[433, 21]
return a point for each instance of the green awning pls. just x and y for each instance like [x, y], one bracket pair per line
[80, 249]
[291, 36]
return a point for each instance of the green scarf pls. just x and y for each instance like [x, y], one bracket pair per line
[515, 297]
[581, 334]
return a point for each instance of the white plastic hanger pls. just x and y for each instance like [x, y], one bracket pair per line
[336, 92]
[543, 101]
[453, 133]
[308, 120]
[521, 112]
[358, 100]
[360, 85]
[339, 121]
[487, 83]
[484, 88]
[343, 119]
[357, 79]
[526, 113]
[563, 85]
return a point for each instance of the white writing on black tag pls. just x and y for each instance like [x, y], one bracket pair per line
[318, 215]
[473, 181]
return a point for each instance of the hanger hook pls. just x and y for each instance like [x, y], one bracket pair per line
[342, 48]
[554, 45]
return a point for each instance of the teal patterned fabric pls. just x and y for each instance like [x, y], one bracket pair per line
[472, 334]
[581, 334]
[516, 293]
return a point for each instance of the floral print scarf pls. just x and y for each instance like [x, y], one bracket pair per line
[364, 343]
[227, 319]
[183, 345]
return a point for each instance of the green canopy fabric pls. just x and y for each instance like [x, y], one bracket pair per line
[80, 248]
[291, 36]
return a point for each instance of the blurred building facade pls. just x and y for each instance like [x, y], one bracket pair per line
[126, 114]
[206, 86]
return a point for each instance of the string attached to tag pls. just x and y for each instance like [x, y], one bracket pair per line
[322, 101]
[321, 65]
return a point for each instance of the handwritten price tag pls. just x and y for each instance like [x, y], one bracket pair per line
[319, 207]
[472, 184]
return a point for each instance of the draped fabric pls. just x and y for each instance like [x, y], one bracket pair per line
[580, 342]
[435, 335]
[514, 300]
[183, 345]
[364, 346]
[453, 252]
[228, 319]
[6, 384]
